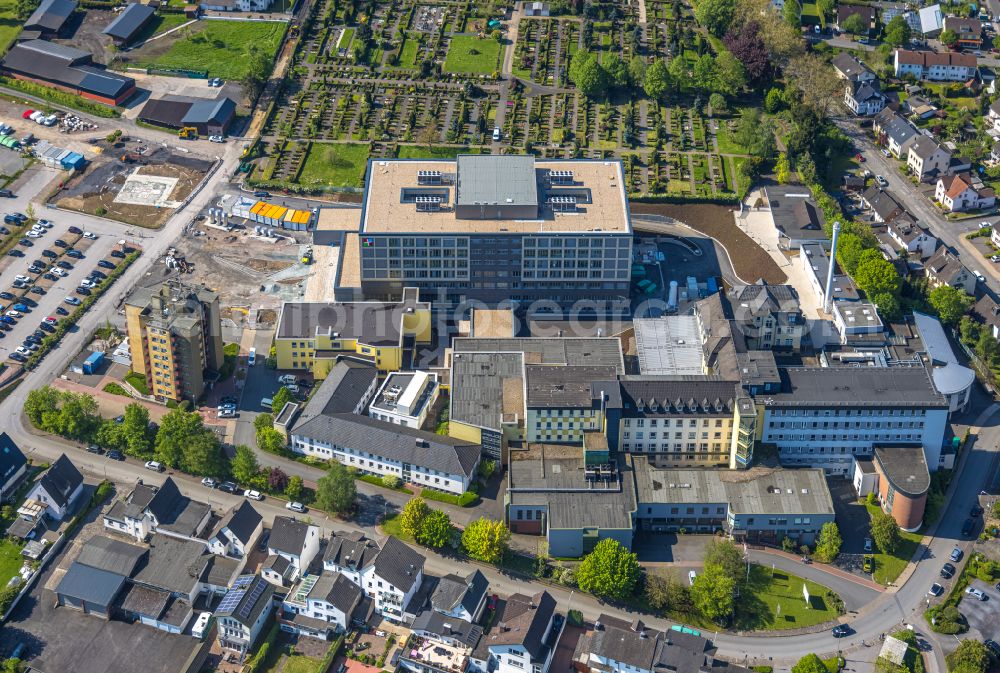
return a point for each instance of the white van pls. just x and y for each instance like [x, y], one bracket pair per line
[266, 402]
[252, 358]
[692, 576]
[286, 379]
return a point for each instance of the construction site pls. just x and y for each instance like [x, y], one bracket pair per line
[136, 188]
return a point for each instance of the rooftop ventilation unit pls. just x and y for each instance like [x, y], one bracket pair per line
[561, 177]
[428, 177]
[563, 203]
[428, 203]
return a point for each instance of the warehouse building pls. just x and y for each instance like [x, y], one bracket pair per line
[51, 18]
[129, 23]
[209, 117]
[66, 69]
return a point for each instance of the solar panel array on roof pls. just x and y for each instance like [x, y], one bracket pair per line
[235, 594]
[255, 593]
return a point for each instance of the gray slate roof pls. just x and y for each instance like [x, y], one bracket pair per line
[51, 15]
[342, 390]
[338, 591]
[64, 65]
[288, 535]
[454, 590]
[524, 620]
[458, 629]
[350, 550]
[11, 458]
[60, 480]
[394, 442]
[243, 521]
[217, 111]
[398, 564]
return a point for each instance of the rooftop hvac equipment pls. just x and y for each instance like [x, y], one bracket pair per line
[561, 177]
[428, 177]
[562, 203]
[428, 202]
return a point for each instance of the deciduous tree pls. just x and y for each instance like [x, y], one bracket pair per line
[244, 466]
[971, 656]
[747, 45]
[950, 303]
[897, 32]
[610, 570]
[335, 491]
[712, 593]
[715, 16]
[810, 664]
[855, 25]
[729, 557]
[436, 529]
[885, 532]
[294, 489]
[486, 540]
[656, 80]
[828, 544]
[412, 516]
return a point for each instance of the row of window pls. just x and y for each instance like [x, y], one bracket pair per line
[870, 437]
[845, 425]
[676, 447]
[847, 412]
[679, 423]
[677, 435]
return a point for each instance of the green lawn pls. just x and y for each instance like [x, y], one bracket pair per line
[889, 566]
[391, 527]
[137, 381]
[160, 24]
[345, 38]
[10, 560]
[758, 608]
[336, 165]
[470, 54]
[810, 13]
[727, 145]
[298, 663]
[408, 54]
[10, 25]
[220, 47]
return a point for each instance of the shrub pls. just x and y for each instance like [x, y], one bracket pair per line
[391, 481]
[465, 500]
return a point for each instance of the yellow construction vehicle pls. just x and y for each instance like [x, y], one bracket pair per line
[307, 256]
[188, 133]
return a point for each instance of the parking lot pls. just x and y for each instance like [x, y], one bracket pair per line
[44, 292]
[983, 616]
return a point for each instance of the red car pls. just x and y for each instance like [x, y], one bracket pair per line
[27, 114]
[860, 157]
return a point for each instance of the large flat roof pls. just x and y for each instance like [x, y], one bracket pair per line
[371, 322]
[487, 388]
[855, 387]
[594, 351]
[669, 345]
[756, 491]
[604, 211]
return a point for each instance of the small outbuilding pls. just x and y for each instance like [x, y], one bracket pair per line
[51, 17]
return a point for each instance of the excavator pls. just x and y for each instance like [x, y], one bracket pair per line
[188, 133]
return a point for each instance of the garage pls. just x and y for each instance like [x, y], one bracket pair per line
[90, 590]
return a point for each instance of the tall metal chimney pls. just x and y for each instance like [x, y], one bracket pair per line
[833, 262]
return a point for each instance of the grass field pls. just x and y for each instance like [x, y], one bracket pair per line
[469, 54]
[160, 24]
[340, 165]
[10, 26]
[889, 566]
[391, 527]
[408, 54]
[220, 47]
[10, 560]
[298, 663]
[775, 601]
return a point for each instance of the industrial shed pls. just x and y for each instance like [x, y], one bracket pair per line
[209, 117]
[66, 69]
[127, 25]
[51, 17]
[89, 589]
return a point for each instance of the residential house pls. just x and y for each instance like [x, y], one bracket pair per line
[893, 132]
[324, 605]
[278, 570]
[237, 532]
[963, 192]
[935, 66]
[795, 215]
[296, 540]
[439, 644]
[995, 153]
[350, 554]
[243, 612]
[617, 646]
[993, 116]
[13, 465]
[988, 311]
[927, 21]
[927, 159]
[969, 31]
[148, 509]
[461, 597]
[883, 206]
[944, 268]
[866, 12]
[995, 235]
[523, 638]
[912, 237]
[919, 107]
[849, 68]
[769, 317]
[864, 98]
[393, 579]
[58, 489]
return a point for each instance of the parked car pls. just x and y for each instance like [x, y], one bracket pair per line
[208, 481]
[75, 230]
[17, 357]
[264, 539]
[74, 253]
[72, 301]
[868, 545]
[105, 264]
[6, 295]
[992, 646]
[154, 466]
[967, 528]
[216, 139]
[868, 564]
[63, 264]
[228, 487]
[89, 234]
[15, 253]
[935, 590]
[35, 289]
[253, 495]
[59, 243]
[977, 593]
[114, 454]
[296, 507]
[956, 555]
[841, 630]
[975, 511]
[94, 448]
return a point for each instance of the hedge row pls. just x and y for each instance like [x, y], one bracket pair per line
[51, 340]
[467, 499]
[719, 199]
[60, 98]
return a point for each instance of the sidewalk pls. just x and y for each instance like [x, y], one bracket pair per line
[833, 570]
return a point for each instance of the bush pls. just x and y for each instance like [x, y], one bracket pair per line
[391, 481]
[116, 389]
[467, 499]
[575, 618]
[947, 619]
[8, 594]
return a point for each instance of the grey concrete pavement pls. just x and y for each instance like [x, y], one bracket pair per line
[854, 594]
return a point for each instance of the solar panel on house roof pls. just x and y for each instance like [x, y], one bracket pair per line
[255, 593]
